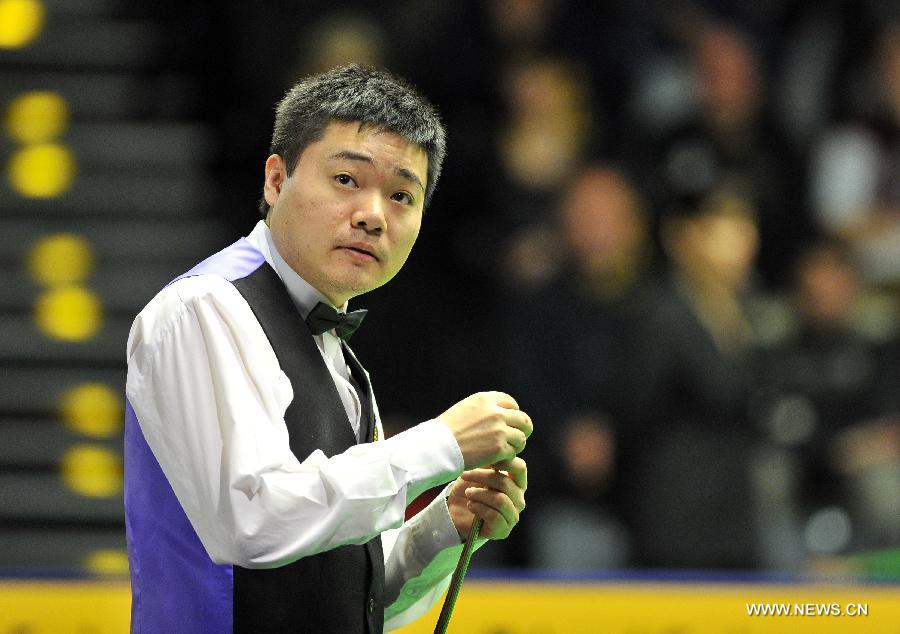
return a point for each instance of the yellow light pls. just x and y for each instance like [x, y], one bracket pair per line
[92, 471]
[37, 117]
[92, 409]
[42, 171]
[69, 313]
[61, 258]
[109, 562]
[20, 22]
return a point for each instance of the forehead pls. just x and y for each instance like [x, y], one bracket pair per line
[387, 149]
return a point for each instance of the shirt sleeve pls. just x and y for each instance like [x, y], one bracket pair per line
[210, 397]
[420, 558]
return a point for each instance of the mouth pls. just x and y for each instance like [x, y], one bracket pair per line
[360, 251]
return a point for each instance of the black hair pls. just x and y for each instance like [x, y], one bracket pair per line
[356, 93]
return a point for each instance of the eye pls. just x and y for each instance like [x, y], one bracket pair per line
[402, 197]
[345, 180]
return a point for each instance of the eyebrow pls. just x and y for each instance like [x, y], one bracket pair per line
[350, 155]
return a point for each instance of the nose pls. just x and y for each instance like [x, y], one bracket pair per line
[369, 215]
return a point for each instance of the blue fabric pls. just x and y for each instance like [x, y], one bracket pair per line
[233, 263]
[175, 586]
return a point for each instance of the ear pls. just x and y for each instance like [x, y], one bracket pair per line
[276, 173]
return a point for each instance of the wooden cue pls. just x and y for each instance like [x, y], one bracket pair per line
[458, 576]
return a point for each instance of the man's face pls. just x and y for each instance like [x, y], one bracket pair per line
[346, 219]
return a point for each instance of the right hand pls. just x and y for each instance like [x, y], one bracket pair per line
[488, 427]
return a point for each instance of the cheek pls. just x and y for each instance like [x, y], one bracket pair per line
[408, 239]
[295, 240]
[287, 227]
[306, 219]
[403, 242]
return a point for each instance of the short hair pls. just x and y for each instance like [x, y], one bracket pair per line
[356, 93]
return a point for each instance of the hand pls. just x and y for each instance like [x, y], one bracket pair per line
[495, 495]
[488, 427]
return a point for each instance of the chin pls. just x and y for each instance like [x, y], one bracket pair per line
[353, 289]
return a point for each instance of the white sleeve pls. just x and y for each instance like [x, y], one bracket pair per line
[420, 558]
[210, 397]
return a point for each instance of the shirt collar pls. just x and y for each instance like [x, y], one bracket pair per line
[304, 295]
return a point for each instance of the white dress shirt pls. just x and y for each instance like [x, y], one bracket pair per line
[210, 396]
[305, 299]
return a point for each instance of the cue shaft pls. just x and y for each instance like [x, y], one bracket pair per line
[458, 576]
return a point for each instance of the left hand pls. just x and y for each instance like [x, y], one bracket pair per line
[495, 495]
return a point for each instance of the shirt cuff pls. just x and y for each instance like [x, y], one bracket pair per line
[437, 547]
[432, 529]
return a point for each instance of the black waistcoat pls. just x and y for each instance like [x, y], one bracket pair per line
[340, 590]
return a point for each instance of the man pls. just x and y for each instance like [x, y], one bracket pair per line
[252, 502]
[686, 491]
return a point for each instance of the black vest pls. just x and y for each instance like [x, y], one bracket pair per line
[341, 590]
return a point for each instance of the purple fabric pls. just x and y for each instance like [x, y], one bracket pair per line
[175, 586]
[233, 263]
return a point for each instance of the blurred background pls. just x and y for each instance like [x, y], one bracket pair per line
[670, 229]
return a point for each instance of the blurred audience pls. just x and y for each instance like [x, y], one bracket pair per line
[685, 459]
[737, 409]
[568, 355]
[732, 137]
[340, 38]
[828, 405]
[543, 135]
[855, 173]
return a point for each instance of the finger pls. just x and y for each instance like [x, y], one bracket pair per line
[497, 523]
[497, 502]
[498, 482]
[488, 478]
[501, 506]
[458, 488]
[503, 400]
[529, 425]
[519, 420]
[516, 469]
[516, 439]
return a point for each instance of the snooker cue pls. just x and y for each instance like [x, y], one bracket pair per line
[456, 581]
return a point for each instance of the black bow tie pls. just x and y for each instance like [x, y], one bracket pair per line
[323, 318]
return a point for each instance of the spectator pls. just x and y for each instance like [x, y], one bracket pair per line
[685, 461]
[828, 398]
[856, 175]
[542, 138]
[733, 139]
[569, 351]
